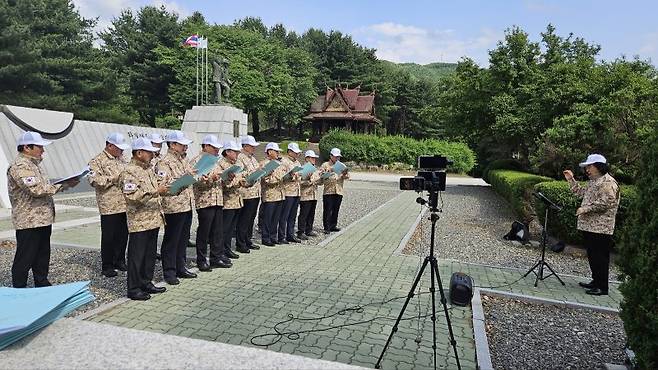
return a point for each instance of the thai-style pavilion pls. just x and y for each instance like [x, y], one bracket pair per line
[343, 108]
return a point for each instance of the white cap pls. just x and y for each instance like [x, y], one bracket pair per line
[310, 153]
[143, 143]
[232, 145]
[335, 152]
[294, 147]
[118, 140]
[212, 140]
[273, 146]
[155, 138]
[593, 158]
[177, 137]
[32, 138]
[250, 140]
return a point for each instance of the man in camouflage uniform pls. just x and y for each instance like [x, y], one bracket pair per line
[142, 193]
[105, 170]
[209, 202]
[308, 199]
[232, 198]
[33, 210]
[333, 193]
[250, 196]
[177, 208]
[596, 218]
[156, 141]
[272, 196]
[291, 201]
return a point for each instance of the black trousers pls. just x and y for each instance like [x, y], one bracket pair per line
[288, 218]
[306, 216]
[142, 247]
[230, 220]
[331, 207]
[174, 243]
[598, 254]
[114, 236]
[32, 252]
[271, 215]
[261, 216]
[245, 227]
[210, 231]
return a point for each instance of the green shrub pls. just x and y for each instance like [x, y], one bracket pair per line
[638, 260]
[517, 188]
[501, 164]
[372, 149]
[563, 224]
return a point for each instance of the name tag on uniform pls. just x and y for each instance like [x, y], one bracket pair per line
[129, 187]
[162, 173]
[29, 181]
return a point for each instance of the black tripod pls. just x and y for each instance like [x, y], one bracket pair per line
[544, 235]
[434, 272]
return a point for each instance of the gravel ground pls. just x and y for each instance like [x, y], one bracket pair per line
[534, 336]
[68, 264]
[471, 227]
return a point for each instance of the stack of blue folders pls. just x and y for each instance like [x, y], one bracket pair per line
[24, 311]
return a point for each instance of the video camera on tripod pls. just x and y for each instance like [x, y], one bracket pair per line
[431, 175]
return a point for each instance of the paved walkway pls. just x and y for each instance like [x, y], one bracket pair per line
[451, 180]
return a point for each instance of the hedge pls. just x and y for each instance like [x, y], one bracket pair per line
[501, 164]
[516, 187]
[562, 224]
[378, 150]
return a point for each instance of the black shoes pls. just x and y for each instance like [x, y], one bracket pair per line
[283, 242]
[254, 246]
[109, 273]
[302, 237]
[268, 244]
[204, 267]
[243, 250]
[311, 233]
[139, 296]
[335, 229]
[293, 240]
[327, 231]
[152, 289]
[186, 275]
[221, 264]
[589, 285]
[121, 266]
[230, 254]
[596, 291]
[172, 281]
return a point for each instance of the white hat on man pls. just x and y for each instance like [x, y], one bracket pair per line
[117, 140]
[335, 152]
[294, 147]
[273, 146]
[177, 137]
[212, 140]
[143, 143]
[155, 138]
[232, 145]
[250, 140]
[310, 153]
[593, 158]
[32, 138]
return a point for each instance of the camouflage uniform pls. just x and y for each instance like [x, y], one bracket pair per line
[597, 223]
[33, 213]
[291, 202]
[178, 214]
[232, 203]
[209, 201]
[104, 176]
[332, 197]
[307, 203]
[272, 197]
[145, 217]
[250, 199]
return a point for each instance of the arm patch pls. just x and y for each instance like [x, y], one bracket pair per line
[30, 180]
[129, 187]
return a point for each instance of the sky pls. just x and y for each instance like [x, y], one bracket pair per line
[426, 31]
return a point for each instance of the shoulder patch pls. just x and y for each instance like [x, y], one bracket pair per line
[30, 180]
[162, 173]
[129, 187]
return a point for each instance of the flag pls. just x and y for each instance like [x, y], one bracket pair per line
[191, 41]
[203, 43]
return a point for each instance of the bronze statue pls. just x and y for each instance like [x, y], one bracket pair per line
[220, 78]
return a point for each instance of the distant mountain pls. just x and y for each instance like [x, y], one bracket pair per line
[431, 71]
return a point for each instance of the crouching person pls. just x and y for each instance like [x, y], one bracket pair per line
[144, 215]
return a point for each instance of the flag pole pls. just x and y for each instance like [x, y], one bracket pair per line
[197, 75]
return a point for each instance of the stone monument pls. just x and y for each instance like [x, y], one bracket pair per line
[222, 118]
